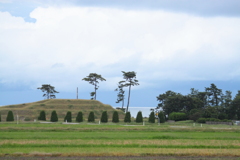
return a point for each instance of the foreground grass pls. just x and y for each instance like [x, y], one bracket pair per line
[180, 139]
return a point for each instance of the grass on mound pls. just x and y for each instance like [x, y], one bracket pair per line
[62, 106]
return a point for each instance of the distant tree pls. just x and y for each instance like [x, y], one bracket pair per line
[0, 117]
[68, 117]
[151, 117]
[214, 95]
[79, 117]
[120, 96]
[94, 78]
[161, 117]
[234, 110]
[49, 91]
[42, 116]
[10, 116]
[54, 117]
[165, 102]
[104, 117]
[139, 118]
[127, 117]
[129, 81]
[91, 117]
[115, 118]
[195, 114]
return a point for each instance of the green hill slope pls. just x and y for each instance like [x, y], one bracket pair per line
[30, 111]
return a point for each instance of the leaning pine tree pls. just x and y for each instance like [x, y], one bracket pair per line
[127, 117]
[91, 117]
[79, 117]
[54, 117]
[104, 117]
[115, 118]
[10, 116]
[139, 118]
[151, 118]
[68, 117]
[42, 116]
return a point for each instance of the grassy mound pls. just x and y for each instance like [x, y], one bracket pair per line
[30, 111]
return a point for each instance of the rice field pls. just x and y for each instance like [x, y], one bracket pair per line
[119, 140]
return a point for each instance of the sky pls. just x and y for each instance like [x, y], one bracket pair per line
[171, 45]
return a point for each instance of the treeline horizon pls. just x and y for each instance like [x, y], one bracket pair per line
[210, 103]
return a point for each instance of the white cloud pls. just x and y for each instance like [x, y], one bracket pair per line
[67, 43]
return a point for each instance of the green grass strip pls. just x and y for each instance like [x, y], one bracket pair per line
[117, 146]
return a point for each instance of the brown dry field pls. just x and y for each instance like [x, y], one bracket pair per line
[122, 158]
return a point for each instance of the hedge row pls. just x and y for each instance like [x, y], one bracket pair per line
[177, 116]
[203, 120]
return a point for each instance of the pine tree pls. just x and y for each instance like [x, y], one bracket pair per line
[104, 117]
[127, 117]
[115, 118]
[161, 117]
[68, 117]
[91, 117]
[54, 117]
[42, 116]
[10, 116]
[139, 118]
[151, 117]
[79, 117]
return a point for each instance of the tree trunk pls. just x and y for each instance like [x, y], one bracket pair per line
[95, 89]
[128, 97]
[123, 102]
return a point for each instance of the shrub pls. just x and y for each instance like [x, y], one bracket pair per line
[115, 118]
[79, 117]
[68, 117]
[91, 117]
[151, 118]
[177, 116]
[10, 116]
[139, 118]
[201, 120]
[54, 117]
[127, 117]
[104, 117]
[42, 116]
[222, 116]
[161, 117]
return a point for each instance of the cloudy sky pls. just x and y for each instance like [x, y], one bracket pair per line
[171, 44]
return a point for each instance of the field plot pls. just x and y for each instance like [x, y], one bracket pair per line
[57, 141]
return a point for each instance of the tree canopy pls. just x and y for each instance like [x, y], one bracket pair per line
[130, 80]
[94, 78]
[210, 103]
[49, 91]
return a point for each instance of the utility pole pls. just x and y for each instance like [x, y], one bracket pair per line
[77, 92]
